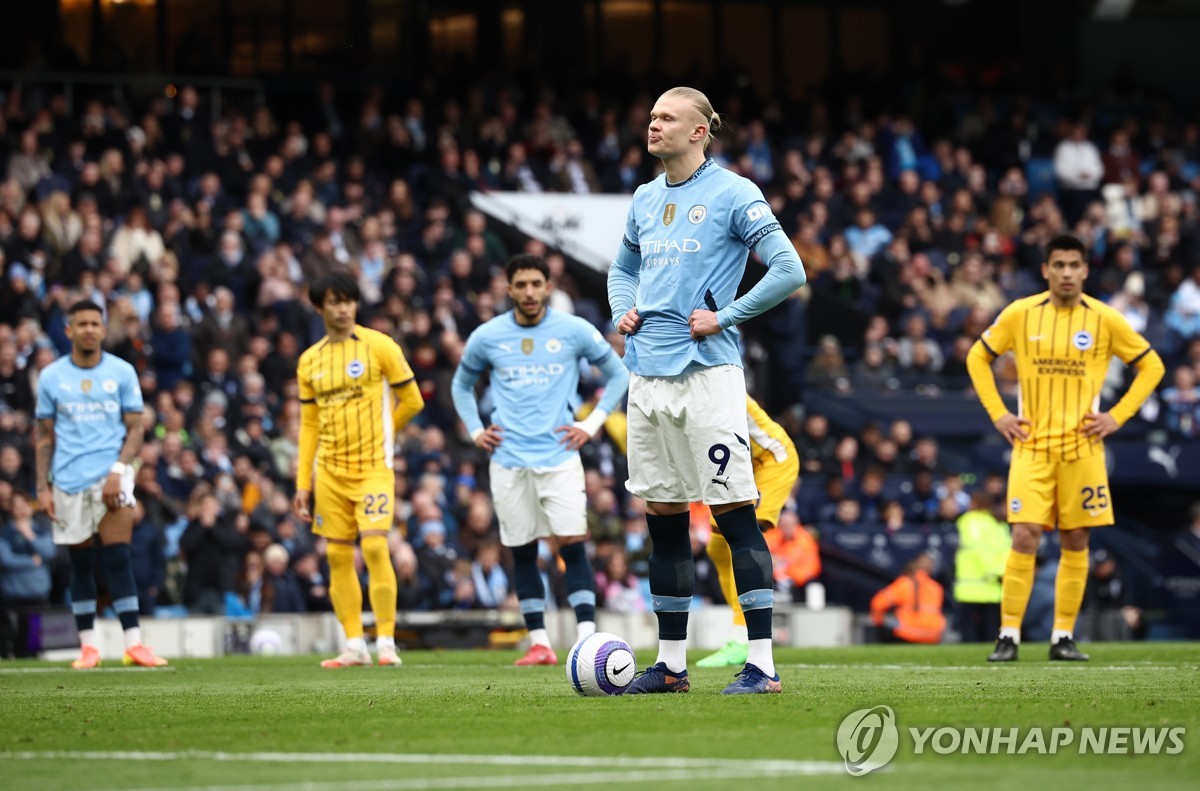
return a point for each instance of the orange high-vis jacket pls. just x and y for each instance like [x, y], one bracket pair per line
[916, 600]
[798, 560]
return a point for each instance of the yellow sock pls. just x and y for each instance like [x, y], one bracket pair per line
[344, 589]
[1018, 584]
[722, 558]
[1069, 587]
[383, 584]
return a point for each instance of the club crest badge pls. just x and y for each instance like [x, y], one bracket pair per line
[1083, 340]
[354, 369]
[697, 214]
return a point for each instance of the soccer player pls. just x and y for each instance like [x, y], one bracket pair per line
[671, 289]
[776, 468]
[89, 413]
[536, 475]
[1063, 341]
[356, 391]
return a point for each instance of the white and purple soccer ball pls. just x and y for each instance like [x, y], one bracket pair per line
[600, 664]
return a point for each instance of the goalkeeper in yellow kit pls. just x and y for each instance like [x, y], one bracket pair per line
[356, 392]
[1063, 341]
[776, 468]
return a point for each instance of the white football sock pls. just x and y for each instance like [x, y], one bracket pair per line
[356, 644]
[132, 637]
[1059, 634]
[385, 643]
[761, 656]
[1009, 631]
[539, 637]
[87, 637]
[585, 629]
[673, 654]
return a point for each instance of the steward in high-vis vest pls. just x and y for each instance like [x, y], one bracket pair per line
[983, 545]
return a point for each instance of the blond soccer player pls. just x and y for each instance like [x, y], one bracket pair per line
[1063, 341]
[356, 391]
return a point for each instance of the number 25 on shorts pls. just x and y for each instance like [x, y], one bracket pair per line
[1094, 499]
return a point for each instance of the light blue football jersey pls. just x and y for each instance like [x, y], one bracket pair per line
[88, 406]
[535, 379]
[693, 239]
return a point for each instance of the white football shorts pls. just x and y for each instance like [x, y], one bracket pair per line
[688, 437]
[78, 515]
[538, 502]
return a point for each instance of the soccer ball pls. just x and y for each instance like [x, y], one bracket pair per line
[266, 642]
[600, 664]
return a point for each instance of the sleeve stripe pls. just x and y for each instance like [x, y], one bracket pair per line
[402, 384]
[991, 351]
[761, 232]
[1140, 356]
[630, 246]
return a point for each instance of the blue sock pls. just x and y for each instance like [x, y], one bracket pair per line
[752, 569]
[672, 573]
[581, 582]
[83, 586]
[121, 585]
[527, 581]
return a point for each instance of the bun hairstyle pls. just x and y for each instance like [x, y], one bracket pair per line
[703, 108]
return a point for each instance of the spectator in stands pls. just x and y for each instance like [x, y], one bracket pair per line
[617, 589]
[1181, 403]
[910, 608]
[285, 593]
[213, 549]
[1079, 170]
[26, 551]
[795, 555]
[828, 370]
[1107, 611]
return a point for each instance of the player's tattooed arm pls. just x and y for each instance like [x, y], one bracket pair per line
[44, 454]
[43, 444]
[134, 437]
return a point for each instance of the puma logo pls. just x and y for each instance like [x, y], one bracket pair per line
[724, 483]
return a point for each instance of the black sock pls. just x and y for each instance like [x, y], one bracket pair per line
[83, 586]
[121, 586]
[527, 582]
[672, 573]
[752, 569]
[580, 580]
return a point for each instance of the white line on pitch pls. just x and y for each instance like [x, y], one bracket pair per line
[584, 761]
[521, 781]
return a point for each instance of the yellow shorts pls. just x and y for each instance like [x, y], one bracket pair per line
[1066, 494]
[775, 482]
[347, 504]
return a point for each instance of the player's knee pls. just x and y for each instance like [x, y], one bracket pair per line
[526, 554]
[753, 561]
[375, 551]
[340, 554]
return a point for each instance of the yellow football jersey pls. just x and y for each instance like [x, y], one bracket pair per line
[1062, 357]
[768, 439]
[351, 383]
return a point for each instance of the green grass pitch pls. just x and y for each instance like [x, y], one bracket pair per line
[450, 720]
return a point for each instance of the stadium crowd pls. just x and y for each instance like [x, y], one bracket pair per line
[199, 234]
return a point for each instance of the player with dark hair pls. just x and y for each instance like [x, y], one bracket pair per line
[1063, 341]
[89, 433]
[356, 391]
[533, 354]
